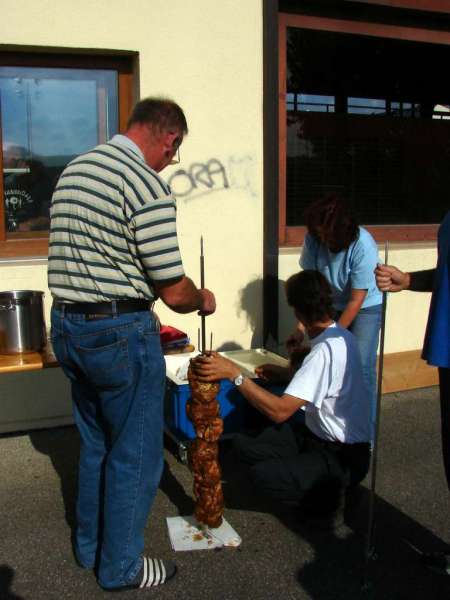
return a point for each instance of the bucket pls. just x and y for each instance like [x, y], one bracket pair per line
[22, 324]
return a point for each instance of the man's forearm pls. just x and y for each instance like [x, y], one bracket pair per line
[267, 403]
[181, 296]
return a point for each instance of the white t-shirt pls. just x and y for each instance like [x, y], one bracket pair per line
[331, 381]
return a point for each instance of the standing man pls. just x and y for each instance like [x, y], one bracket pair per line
[113, 252]
[436, 349]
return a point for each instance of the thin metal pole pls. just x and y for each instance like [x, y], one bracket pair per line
[369, 550]
[202, 285]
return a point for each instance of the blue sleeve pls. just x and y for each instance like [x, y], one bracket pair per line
[363, 262]
[308, 257]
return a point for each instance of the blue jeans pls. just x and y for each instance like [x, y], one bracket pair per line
[117, 373]
[366, 328]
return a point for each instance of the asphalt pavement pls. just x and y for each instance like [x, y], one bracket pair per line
[281, 556]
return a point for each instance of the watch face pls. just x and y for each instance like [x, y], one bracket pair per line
[239, 379]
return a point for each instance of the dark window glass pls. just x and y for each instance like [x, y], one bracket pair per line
[49, 116]
[368, 119]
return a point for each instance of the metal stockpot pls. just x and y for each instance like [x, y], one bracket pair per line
[22, 324]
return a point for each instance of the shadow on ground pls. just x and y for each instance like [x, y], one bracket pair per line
[331, 564]
[343, 567]
[6, 580]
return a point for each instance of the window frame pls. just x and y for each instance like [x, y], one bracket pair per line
[35, 244]
[289, 236]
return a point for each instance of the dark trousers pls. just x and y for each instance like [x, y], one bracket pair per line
[444, 384]
[289, 463]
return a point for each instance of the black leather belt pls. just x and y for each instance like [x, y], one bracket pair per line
[102, 308]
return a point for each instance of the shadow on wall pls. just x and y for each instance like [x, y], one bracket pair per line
[250, 305]
[6, 579]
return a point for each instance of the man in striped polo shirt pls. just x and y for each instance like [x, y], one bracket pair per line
[113, 252]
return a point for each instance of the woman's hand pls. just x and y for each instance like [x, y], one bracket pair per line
[274, 373]
[295, 340]
[213, 366]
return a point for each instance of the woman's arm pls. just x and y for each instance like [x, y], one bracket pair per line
[353, 307]
[273, 373]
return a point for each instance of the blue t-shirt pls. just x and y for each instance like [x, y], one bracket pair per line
[436, 348]
[352, 268]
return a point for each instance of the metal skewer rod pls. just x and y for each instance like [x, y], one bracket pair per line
[202, 285]
[369, 550]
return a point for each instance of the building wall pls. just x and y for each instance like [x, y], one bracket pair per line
[209, 59]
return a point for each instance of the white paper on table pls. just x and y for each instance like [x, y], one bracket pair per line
[186, 533]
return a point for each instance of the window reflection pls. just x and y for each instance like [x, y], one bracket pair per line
[369, 119]
[310, 103]
[49, 116]
[366, 106]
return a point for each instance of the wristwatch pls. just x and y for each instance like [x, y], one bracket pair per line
[238, 380]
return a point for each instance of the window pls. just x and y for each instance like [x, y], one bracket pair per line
[53, 108]
[364, 114]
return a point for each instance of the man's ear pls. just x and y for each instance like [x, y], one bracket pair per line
[171, 140]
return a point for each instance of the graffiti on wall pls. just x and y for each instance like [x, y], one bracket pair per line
[202, 178]
[199, 177]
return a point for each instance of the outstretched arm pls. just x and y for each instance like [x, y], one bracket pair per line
[213, 367]
[391, 279]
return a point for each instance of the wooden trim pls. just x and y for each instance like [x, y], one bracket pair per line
[407, 371]
[62, 58]
[426, 5]
[19, 248]
[293, 236]
[381, 30]
[18, 245]
[126, 99]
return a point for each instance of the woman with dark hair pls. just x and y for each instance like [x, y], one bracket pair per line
[308, 464]
[347, 255]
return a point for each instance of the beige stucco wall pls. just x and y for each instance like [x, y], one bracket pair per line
[406, 313]
[208, 57]
[210, 61]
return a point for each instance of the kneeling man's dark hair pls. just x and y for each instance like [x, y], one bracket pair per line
[309, 293]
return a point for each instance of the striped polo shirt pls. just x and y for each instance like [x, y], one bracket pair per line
[113, 227]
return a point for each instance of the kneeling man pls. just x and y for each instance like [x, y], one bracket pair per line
[290, 461]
